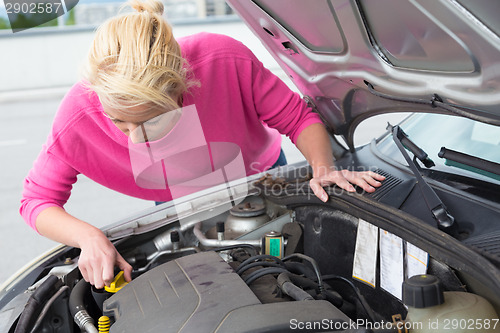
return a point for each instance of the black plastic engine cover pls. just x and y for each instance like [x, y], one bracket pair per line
[189, 294]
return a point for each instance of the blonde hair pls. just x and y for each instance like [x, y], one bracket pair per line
[135, 60]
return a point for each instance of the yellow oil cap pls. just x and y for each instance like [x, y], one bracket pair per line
[117, 283]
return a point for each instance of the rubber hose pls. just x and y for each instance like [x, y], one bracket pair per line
[261, 272]
[300, 269]
[292, 290]
[302, 281]
[47, 307]
[34, 304]
[313, 264]
[328, 292]
[77, 307]
[77, 296]
[258, 264]
[256, 258]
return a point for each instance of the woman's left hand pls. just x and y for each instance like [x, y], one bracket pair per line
[367, 180]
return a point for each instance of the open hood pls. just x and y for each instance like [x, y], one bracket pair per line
[354, 59]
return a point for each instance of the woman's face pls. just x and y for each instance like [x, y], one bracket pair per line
[142, 123]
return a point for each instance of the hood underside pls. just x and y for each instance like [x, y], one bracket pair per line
[354, 59]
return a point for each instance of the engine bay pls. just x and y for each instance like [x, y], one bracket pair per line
[275, 259]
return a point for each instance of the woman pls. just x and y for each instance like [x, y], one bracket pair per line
[137, 76]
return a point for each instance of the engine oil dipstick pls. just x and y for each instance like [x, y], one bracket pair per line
[104, 324]
[220, 230]
[175, 240]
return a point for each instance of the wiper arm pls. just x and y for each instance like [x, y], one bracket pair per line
[471, 163]
[411, 146]
[445, 221]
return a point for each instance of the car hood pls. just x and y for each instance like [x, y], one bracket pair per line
[354, 59]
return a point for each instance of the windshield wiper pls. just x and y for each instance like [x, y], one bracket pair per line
[411, 146]
[471, 163]
[445, 221]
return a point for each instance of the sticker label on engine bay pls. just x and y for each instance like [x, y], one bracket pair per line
[399, 259]
[391, 263]
[416, 260]
[275, 247]
[365, 255]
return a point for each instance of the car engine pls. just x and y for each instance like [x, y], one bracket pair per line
[192, 294]
[273, 260]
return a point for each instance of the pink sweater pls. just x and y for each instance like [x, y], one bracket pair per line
[238, 101]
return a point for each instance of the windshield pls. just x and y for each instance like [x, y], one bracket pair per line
[433, 131]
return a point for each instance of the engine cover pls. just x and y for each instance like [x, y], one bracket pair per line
[202, 293]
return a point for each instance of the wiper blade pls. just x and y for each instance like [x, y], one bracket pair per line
[411, 146]
[445, 221]
[471, 163]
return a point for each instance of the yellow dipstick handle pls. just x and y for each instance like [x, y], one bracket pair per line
[117, 284]
[104, 324]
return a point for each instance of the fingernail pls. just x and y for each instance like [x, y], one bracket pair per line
[324, 198]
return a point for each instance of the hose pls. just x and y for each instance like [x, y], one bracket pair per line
[366, 307]
[314, 265]
[292, 290]
[261, 272]
[77, 307]
[300, 268]
[302, 281]
[259, 257]
[256, 264]
[47, 306]
[39, 297]
[305, 282]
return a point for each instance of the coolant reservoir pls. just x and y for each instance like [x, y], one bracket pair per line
[431, 310]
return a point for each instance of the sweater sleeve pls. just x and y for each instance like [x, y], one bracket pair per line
[277, 105]
[48, 184]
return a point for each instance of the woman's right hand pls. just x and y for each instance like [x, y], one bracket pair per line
[98, 259]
